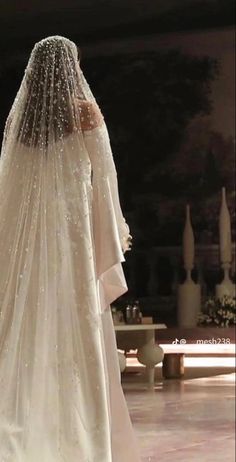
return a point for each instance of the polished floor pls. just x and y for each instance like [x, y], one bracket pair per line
[187, 420]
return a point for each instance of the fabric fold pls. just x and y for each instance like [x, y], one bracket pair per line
[110, 229]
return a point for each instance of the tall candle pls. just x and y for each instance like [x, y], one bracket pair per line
[188, 242]
[225, 231]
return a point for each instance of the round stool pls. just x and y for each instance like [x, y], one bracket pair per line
[173, 365]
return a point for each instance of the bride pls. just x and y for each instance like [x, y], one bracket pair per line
[62, 240]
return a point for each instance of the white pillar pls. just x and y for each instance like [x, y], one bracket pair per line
[226, 287]
[189, 293]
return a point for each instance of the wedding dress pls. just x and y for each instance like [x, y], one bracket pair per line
[62, 242]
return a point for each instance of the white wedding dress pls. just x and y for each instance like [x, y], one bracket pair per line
[60, 252]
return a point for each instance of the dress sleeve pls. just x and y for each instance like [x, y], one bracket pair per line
[111, 232]
[98, 145]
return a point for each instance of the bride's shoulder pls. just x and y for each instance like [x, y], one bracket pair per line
[90, 114]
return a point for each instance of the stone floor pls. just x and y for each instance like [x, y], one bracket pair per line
[187, 420]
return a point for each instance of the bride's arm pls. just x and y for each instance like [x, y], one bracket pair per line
[99, 149]
[90, 115]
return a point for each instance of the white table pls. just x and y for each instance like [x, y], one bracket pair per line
[141, 337]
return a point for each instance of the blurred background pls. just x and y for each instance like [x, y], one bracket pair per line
[163, 74]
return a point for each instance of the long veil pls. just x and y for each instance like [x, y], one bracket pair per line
[55, 390]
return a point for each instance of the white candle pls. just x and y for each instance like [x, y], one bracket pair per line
[188, 243]
[225, 231]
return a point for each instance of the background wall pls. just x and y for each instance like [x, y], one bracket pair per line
[169, 103]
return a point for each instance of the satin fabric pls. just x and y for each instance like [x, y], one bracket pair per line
[61, 253]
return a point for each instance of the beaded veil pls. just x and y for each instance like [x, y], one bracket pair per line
[46, 106]
[62, 238]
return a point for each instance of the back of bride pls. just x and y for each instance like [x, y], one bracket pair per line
[62, 242]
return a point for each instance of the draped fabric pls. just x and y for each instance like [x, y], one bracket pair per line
[62, 238]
